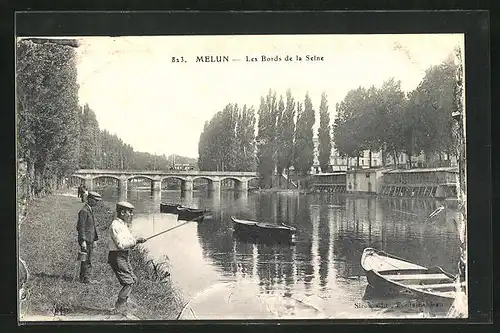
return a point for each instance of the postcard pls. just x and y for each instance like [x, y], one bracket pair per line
[241, 177]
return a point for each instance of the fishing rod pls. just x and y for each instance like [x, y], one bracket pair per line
[164, 231]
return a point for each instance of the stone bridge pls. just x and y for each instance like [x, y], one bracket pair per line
[187, 178]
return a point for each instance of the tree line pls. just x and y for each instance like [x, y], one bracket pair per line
[55, 134]
[389, 120]
[284, 137]
[382, 119]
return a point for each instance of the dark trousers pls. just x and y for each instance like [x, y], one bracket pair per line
[86, 266]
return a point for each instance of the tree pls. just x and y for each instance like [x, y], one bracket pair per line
[433, 100]
[227, 140]
[304, 144]
[393, 120]
[280, 143]
[90, 154]
[348, 138]
[245, 140]
[324, 139]
[47, 111]
[266, 136]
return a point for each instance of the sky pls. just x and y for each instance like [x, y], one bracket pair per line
[159, 106]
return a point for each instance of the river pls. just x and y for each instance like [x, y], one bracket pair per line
[321, 271]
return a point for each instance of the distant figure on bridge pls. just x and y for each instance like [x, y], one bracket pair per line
[87, 235]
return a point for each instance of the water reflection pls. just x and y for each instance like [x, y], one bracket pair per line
[324, 264]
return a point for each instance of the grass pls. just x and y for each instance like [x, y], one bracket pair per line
[48, 244]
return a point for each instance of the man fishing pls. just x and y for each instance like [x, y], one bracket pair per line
[87, 235]
[120, 242]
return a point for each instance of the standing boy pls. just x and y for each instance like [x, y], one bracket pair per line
[120, 242]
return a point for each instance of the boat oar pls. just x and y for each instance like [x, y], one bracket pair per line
[164, 231]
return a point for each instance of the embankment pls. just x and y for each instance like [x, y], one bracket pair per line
[48, 245]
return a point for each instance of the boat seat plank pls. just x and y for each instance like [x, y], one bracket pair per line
[432, 286]
[416, 277]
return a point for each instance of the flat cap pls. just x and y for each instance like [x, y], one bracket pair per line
[124, 204]
[94, 195]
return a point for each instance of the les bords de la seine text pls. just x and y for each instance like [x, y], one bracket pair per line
[250, 59]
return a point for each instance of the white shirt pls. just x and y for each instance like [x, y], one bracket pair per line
[120, 237]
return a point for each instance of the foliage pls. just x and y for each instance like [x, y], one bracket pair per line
[304, 144]
[266, 138]
[55, 135]
[227, 140]
[286, 135]
[386, 119]
[47, 112]
[324, 139]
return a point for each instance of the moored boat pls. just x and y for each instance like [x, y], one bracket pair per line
[190, 214]
[183, 213]
[261, 229]
[391, 275]
[169, 208]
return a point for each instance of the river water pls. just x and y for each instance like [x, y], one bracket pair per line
[319, 276]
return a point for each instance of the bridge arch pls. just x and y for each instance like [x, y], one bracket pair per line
[105, 176]
[236, 179]
[140, 177]
[173, 177]
[210, 179]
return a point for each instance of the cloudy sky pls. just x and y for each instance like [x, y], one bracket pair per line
[158, 106]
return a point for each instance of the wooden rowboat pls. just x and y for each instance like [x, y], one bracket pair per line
[183, 213]
[391, 275]
[264, 230]
[191, 214]
[169, 208]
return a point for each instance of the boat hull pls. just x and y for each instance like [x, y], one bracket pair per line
[169, 208]
[432, 287]
[183, 213]
[257, 230]
[190, 214]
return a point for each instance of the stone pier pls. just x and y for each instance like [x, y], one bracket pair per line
[187, 185]
[156, 185]
[123, 185]
[214, 186]
[242, 186]
[89, 183]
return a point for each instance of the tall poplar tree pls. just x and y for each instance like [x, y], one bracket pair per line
[304, 144]
[324, 139]
[47, 111]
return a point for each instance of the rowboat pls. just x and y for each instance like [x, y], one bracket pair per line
[183, 213]
[169, 208]
[190, 214]
[391, 275]
[262, 229]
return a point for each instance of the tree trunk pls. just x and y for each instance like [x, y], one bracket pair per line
[287, 178]
[355, 185]
[395, 159]
[370, 161]
[382, 156]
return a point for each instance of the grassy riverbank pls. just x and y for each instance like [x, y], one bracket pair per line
[48, 244]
